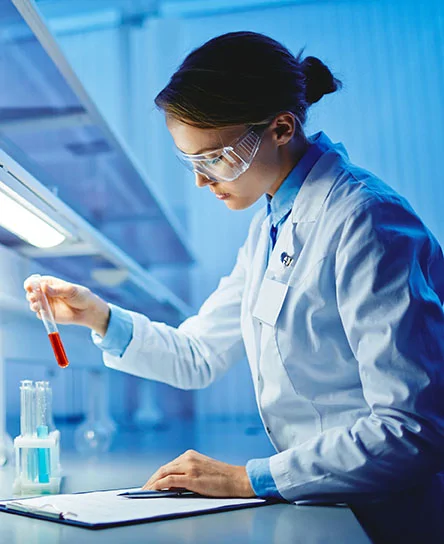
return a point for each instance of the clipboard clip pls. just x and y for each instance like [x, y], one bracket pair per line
[48, 510]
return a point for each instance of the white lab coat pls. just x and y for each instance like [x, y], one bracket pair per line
[345, 344]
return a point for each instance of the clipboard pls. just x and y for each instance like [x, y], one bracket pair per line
[104, 509]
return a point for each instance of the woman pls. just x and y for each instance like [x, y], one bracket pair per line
[336, 295]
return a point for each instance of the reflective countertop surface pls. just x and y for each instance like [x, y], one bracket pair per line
[137, 454]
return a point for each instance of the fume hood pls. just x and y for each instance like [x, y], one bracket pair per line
[61, 161]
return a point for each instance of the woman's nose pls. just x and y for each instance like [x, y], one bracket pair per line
[201, 179]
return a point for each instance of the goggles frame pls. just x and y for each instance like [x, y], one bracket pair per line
[226, 163]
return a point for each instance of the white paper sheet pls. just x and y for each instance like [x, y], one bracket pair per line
[107, 507]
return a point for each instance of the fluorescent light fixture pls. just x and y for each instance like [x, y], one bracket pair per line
[28, 225]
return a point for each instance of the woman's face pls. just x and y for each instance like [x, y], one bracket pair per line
[265, 174]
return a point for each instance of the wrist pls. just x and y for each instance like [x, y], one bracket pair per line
[245, 488]
[98, 316]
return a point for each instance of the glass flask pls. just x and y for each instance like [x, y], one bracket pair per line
[6, 448]
[94, 435]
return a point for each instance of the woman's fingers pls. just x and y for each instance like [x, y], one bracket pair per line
[181, 465]
[171, 468]
[70, 303]
[172, 481]
[58, 291]
[34, 302]
[204, 475]
[27, 285]
[51, 286]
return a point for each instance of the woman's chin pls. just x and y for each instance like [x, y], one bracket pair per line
[240, 203]
[235, 204]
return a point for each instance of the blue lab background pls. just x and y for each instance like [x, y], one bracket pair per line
[389, 115]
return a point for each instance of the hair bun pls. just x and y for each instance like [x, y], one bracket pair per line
[318, 80]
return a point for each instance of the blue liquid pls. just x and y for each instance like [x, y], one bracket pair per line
[43, 456]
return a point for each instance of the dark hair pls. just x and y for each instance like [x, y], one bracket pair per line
[244, 78]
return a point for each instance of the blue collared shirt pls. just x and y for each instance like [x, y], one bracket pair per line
[279, 206]
[118, 334]
[120, 328]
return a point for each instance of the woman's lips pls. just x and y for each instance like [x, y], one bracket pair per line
[222, 196]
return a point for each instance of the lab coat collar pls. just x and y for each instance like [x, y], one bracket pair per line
[319, 180]
[282, 202]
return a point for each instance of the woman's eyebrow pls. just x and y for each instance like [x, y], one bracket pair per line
[203, 150]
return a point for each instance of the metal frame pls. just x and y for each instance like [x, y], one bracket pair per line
[21, 182]
[46, 122]
[32, 17]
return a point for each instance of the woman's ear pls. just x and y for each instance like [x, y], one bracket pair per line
[283, 128]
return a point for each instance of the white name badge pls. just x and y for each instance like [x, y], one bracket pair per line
[269, 302]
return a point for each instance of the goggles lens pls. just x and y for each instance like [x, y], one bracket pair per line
[226, 163]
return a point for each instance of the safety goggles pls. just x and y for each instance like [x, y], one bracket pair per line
[226, 163]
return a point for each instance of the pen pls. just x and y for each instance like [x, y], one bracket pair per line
[152, 494]
[309, 502]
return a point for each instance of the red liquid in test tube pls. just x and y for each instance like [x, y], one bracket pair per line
[59, 350]
[45, 313]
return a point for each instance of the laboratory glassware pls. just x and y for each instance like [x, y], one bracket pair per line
[95, 434]
[37, 449]
[47, 317]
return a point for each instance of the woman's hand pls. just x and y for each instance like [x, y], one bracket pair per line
[201, 474]
[70, 303]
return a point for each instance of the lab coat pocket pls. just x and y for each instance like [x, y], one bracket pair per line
[269, 302]
[308, 331]
[272, 301]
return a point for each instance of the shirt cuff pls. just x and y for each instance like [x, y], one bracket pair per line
[261, 480]
[119, 333]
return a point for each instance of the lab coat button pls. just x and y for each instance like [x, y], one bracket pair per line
[268, 430]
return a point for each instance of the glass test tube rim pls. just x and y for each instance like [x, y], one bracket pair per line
[27, 415]
[45, 311]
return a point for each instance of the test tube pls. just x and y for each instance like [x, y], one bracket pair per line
[41, 404]
[45, 313]
[41, 401]
[48, 404]
[28, 426]
[27, 413]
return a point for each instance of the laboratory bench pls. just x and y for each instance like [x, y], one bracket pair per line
[139, 452]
